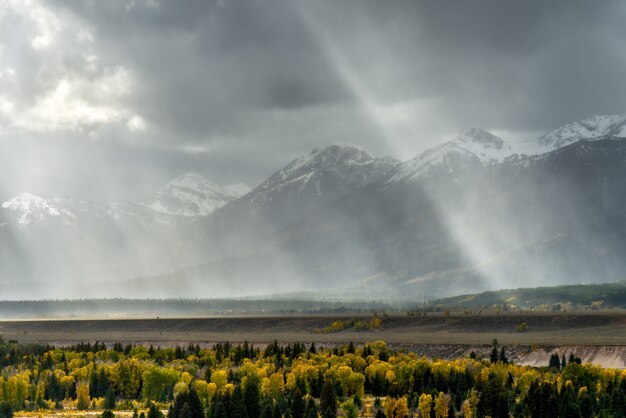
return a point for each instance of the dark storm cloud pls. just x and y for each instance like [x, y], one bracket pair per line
[236, 88]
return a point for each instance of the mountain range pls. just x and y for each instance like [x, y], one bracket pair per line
[472, 214]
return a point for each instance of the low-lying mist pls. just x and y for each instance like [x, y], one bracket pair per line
[460, 227]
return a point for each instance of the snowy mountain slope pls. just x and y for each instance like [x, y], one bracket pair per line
[476, 144]
[469, 212]
[191, 195]
[329, 171]
[289, 195]
[598, 126]
[440, 160]
[27, 211]
[177, 203]
[130, 214]
[239, 189]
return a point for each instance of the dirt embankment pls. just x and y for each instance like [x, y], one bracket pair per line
[604, 356]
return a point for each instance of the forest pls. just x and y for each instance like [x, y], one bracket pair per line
[296, 380]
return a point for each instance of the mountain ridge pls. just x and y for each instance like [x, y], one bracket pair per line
[463, 215]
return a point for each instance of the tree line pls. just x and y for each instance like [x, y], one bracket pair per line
[298, 380]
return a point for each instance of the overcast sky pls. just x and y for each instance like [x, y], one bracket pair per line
[110, 99]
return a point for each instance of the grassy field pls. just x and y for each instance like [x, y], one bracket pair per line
[595, 328]
[573, 297]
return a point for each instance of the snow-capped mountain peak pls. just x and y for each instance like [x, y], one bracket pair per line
[28, 210]
[488, 147]
[342, 161]
[190, 195]
[597, 126]
[442, 159]
[476, 143]
[480, 136]
[322, 174]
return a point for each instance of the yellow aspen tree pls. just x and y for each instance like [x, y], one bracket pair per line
[82, 397]
[441, 405]
[425, 404]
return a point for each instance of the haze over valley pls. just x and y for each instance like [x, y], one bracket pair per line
[474, 213]
[290, 149]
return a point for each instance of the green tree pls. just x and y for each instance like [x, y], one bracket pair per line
[252, 397]
[109, 399]
[107, 414]
[328, 400]
[5, 409]
[298, 405]
[493, 357]
[193, 404]
[238, 408]
[153, 411]
[267, 411]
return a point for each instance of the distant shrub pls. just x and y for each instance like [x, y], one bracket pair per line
[359, 325]
[522, 327]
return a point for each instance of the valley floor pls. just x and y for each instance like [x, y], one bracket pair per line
[596, 337]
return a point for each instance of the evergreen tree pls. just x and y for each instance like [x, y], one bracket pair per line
[185, 411]
[328, 400]
[220, 411]
[154, 412]
[554, 361]
[267, 410]
[502, 357]
[252, 397]
[311, 408]
[238, 407]
[298, 405]
[5, 410]
[109, 399]
[276, 411]
[193, 402]
[93, 381]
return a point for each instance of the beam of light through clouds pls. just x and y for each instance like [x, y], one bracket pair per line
[111, 99]
[99, 93]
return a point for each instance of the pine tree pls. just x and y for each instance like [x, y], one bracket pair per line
[554, 361]
[5, 410]
[252, 397]
[298, 405]
[311, 408]
[154, 412]
[93, 381]
[220, 411]
[502, 357]
[109, 399]
[267, 411]
[328, 400]
[185, 411]
[238, 408]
